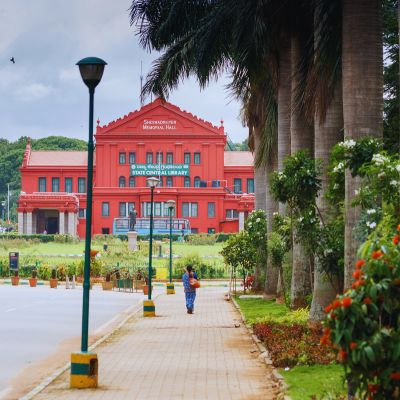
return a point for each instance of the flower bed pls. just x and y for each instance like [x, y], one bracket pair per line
[293, 344]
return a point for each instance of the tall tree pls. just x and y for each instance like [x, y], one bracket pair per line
[362, 68]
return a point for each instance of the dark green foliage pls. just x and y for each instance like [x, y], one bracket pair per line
[391, 121]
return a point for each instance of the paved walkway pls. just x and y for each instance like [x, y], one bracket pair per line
[177, 356]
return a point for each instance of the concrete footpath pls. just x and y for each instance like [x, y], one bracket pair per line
[175, 355]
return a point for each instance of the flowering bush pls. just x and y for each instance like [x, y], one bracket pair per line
[256, 227]
[363, 325]
[293, 344]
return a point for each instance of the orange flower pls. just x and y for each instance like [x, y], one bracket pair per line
[328, 308]
[342, 355]
[353, 345]
[346, 302]
[377, 254]
[395, 376]
[357, 274]
[336, 304]
[398, 227]
[367, 300]
[355, 284]
[325, 341]
[361, 282]
[360, 263]
[327, 331]
[396, 240]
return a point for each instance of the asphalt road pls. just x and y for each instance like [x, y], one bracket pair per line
[34, 321]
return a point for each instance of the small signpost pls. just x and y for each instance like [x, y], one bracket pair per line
[14, 261]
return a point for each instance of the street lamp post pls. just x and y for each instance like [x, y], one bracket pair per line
[84, 365]
[148, 305]
[171, 207]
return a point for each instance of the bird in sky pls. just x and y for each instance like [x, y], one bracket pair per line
[12, 60]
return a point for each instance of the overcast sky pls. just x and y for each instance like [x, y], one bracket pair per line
[42, 93]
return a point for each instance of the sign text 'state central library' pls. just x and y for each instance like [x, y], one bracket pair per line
[213, 188]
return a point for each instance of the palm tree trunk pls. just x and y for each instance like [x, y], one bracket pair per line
[260, 178]
[302, 138]
[260, 188]
[327, 134]
[271, 281]
[284, 93]
[362, 97]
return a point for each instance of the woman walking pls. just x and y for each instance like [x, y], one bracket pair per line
[190, 291]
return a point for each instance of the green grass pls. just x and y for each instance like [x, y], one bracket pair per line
[183, 249]
[318, 380]
[254, 309]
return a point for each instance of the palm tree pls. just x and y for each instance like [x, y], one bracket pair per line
[362, 97]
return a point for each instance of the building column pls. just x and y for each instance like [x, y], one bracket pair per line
[29, 223]
[241, 221]
[61, 223]
[34, 223]
[71, 224]
[20, 223]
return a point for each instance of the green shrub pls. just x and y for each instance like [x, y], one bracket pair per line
[201, 239]
[44, 272]
[363, 325]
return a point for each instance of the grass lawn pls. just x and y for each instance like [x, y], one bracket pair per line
[253, 309]
[183, 249]
[308, 380]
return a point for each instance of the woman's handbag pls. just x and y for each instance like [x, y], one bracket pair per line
[194, 283]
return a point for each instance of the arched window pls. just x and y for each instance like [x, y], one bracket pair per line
[186, 181]
[196, 182]
[122, 181]
[131, 181]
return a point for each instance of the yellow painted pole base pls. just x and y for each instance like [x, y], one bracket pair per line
[149, 310]
[84, 370]
[170, 288]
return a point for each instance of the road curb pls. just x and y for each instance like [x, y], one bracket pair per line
[46, 382]
[264, 355]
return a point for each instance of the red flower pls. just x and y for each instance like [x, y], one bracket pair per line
[346, 302]
[336, 304]
[342, 355]
[373, 388]
[360, 263]
[377, 254]
[327, 331]
[395, 376]
[396, 240]
[361, 282]
[325, 341]
[357, 274]
[328, 308]
[398, 227]
[355, 284]
[367, 300]
[353, 345]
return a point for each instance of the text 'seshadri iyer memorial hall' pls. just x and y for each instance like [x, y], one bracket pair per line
[213, 188]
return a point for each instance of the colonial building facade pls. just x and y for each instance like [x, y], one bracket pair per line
[213, 188]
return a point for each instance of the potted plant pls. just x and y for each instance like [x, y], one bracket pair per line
[107, 284]
[53, 280]
[15, 279]
[146, 286]
[139, 281]
[33, 278]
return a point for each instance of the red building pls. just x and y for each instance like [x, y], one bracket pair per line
[213, 189]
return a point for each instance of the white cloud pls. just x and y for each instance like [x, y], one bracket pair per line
[33, 92]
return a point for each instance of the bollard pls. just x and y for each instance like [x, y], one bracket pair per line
[66, 282]
[84, 370]
[160, 251]
[149, 308]
[73, 282]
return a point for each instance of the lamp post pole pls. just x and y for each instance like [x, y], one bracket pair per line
[151, 241]
[170, 286]
[84, 365]
[148, 305]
